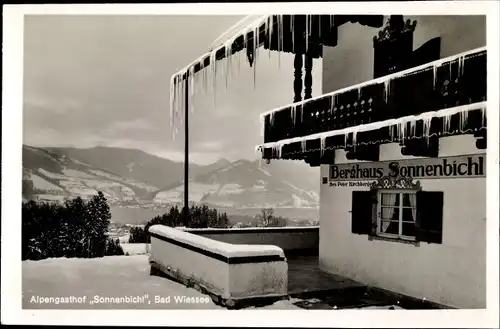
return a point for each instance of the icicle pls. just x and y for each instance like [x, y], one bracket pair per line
[228, 61]
[268, 21]
[464, 116]
[205, 80]
[387, 89]
[451, 62]
[332, 103]
[255, 46]
[278, 148]
[191, 88]
[483, 115]
[427, 128]
[280, 39]
[292, 23]
[213, 63]
[239, 61]
[346, 138]
[413, 126]
[461, 61]
[271, 118]
[262, 125]
[307, 32]
[354, 138]
[303, 145]
[322, 145]
[446, 124]
[271, 27]
[401, 131]
[434, 75]
[294, 114]
[172, 99]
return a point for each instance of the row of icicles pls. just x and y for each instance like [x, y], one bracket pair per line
[205, 80]
[398, 131]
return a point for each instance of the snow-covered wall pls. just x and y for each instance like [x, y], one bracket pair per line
[233, 272]
[452, 273]
[290, 239]
[351, 61]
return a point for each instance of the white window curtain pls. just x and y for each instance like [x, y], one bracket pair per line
[388, 210]
[413, 203]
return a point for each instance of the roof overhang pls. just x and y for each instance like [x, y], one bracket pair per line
[298, 34]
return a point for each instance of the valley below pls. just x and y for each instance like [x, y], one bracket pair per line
[139, 186]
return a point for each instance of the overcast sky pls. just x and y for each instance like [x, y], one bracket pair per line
[104, 80]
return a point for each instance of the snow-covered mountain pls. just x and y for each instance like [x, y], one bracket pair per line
[248, 184]
[132, 176]
[53, 175]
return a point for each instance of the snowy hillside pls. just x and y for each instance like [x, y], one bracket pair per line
[55, 177]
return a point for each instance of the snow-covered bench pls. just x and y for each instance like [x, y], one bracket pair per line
[232, 274]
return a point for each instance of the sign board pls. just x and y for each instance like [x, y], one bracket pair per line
[463, 166]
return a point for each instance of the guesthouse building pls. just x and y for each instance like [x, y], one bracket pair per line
[399, 134]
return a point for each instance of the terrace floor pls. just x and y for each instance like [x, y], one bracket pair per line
[316, 289]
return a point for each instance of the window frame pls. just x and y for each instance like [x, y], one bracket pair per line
[400, 207]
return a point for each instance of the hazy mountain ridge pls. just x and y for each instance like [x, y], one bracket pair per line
[133, 176]
[245, 183]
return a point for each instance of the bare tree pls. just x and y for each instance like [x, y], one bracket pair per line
[267, 219]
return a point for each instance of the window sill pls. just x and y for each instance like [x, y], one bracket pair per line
[381, 238]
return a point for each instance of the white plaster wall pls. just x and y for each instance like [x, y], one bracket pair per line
[258, 279]
[227, 280]
[208, 270]
[452, 273]
[351, 61]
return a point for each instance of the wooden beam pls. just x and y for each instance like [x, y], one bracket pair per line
[308, 77]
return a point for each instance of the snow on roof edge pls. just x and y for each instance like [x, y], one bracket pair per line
[376, 125]
[378, 80]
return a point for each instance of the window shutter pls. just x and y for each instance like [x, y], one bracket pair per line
[429, 217]
[362, 211]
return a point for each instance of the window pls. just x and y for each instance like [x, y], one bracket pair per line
[397, 209]
[397, 213]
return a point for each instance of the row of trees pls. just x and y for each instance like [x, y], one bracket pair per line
[199, 217]
[77, 228]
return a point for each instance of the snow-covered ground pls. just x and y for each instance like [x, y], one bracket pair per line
[118, 277]
[114, 276]
[135, 248]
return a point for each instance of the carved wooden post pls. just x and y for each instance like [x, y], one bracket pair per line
[308, 77]
[297, 82]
